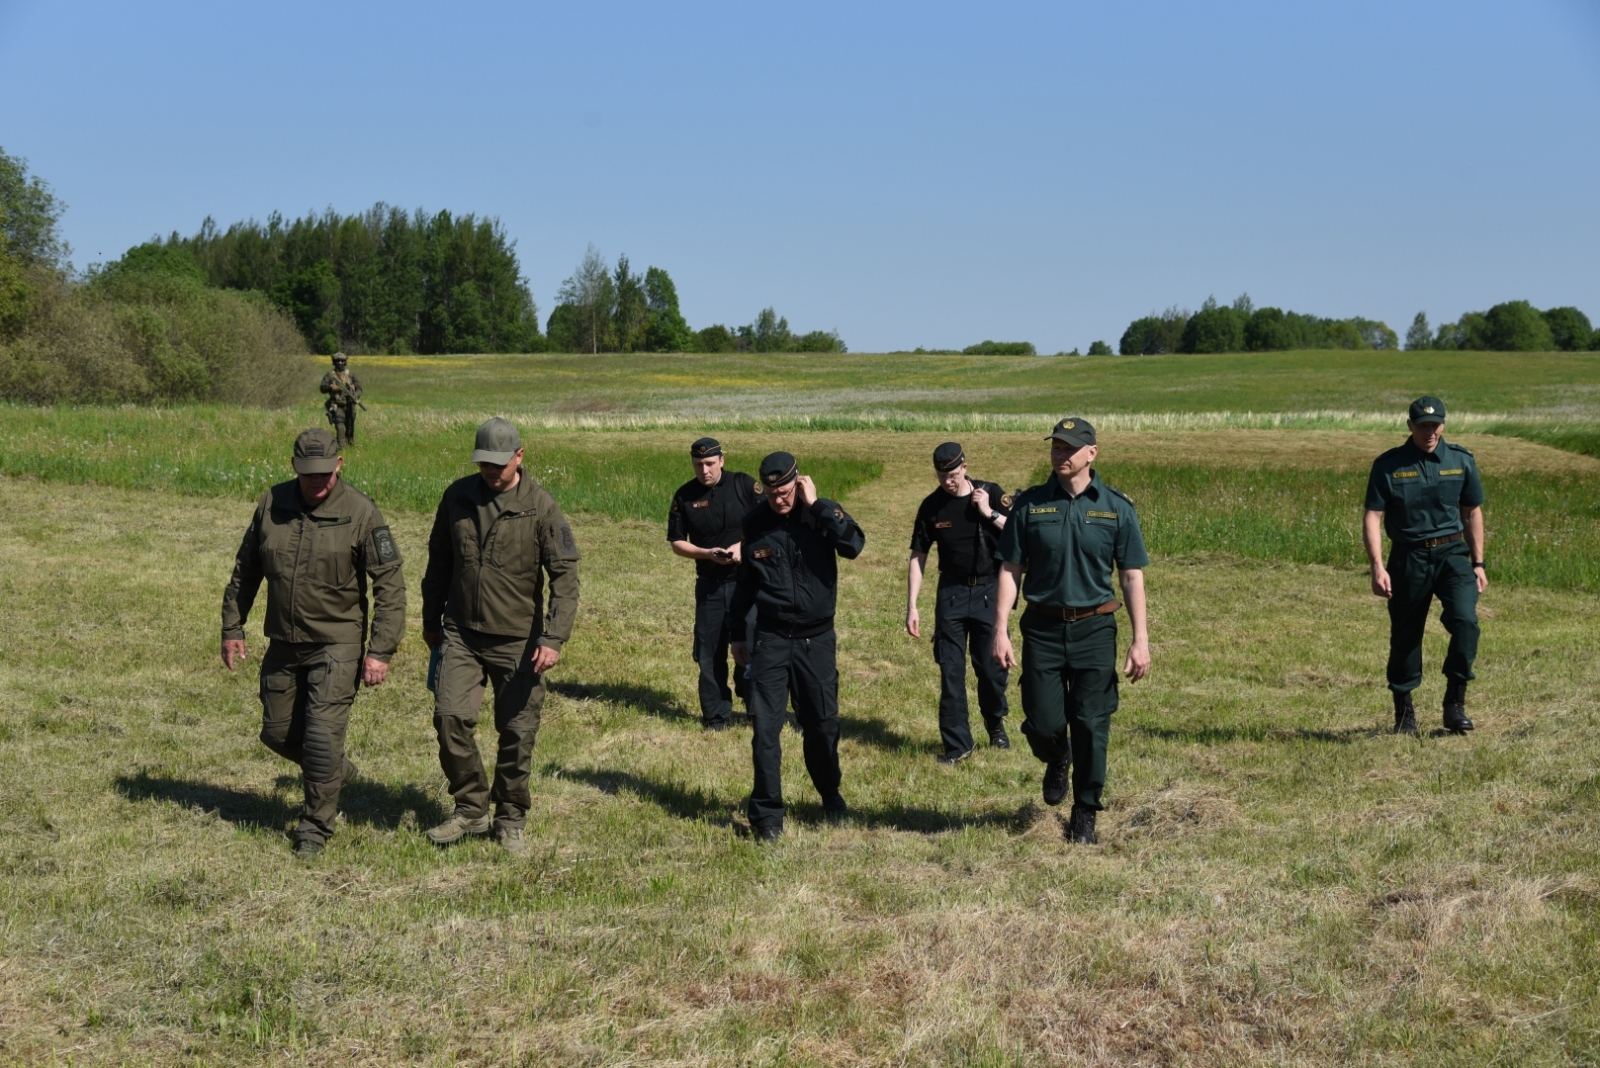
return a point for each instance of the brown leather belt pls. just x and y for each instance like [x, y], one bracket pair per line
[1071, 615]
[1429, 543]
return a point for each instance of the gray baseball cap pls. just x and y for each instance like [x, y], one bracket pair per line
[315, 452]
[498, 441]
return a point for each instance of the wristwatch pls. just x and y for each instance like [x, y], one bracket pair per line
[1477, 564]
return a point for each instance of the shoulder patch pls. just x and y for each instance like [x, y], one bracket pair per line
[569, 544]
[1006, 499]
[383, 546]
[674, 507]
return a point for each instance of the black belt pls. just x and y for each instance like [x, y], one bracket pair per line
[1430, 543]
[793, 630]
[967, 580]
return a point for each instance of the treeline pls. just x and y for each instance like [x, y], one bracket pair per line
[384, 280]
[602, 309]
[1242, 327]
[1515, 326]
[146, 329]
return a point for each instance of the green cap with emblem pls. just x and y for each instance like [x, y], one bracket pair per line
[1073, 430]
[498, 441]
[1427, 410]
[316, 452]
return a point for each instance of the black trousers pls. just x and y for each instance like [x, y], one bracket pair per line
[713, 630]
[1418, 575]
[806, 669]
[963, 629]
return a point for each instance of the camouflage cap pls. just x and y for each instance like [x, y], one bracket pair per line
[1426, 410]
[779, 469]
[498, 441]
[948, 457]
[340, 357]
[316, 452]
[1073, 431]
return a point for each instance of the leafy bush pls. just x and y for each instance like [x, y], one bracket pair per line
[1570, 329]
[1099, 348]
[1000, 348]
[715, 338]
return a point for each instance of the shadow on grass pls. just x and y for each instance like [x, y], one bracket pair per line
[876, 732]
[374, 804]
[649, 700]
[1224, 735]
[674, 798]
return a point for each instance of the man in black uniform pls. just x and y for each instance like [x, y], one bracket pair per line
[964, 518]
[1426, 493]
[789, 573]
[703, 525]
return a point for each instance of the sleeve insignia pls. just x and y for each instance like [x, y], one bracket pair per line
[1006, 499]
[569, 544]
[383, 546]
[838, 513]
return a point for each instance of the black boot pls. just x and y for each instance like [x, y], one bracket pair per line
[1455, 707]
[1081, 829]
[1055, 782]
[998, 738]
[1405, 715]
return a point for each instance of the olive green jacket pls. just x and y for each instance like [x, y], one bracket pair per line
[488, 557]
[318, 563]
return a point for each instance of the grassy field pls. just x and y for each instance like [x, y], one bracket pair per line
[1280, 881]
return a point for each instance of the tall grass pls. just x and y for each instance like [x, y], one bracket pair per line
[1542, 529]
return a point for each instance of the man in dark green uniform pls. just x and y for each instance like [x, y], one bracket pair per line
[1427, 495]
[344, 397]
[703, 525]
[1065, 536]
[789, 574]
[496, 535]
[964, 518]
[318, 543]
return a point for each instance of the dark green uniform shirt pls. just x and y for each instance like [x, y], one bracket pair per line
[1421, 494]
[488, 557]
[1067, 545]
[317, 563]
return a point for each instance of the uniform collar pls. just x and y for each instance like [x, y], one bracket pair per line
[1092, 490]
[515, 493]
[331, 504]
[1416, 450]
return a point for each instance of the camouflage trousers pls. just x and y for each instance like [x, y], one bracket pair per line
[343, 419]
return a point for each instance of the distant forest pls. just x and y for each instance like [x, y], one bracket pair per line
[1515, 326]
[391, 281]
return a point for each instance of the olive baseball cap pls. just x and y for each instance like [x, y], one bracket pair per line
[1073, 430]
[779, 469]
[498, 441]
[948, 457]
[705, 448]
[316, 452]
[1427, 410]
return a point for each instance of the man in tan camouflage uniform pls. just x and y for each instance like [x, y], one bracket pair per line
[496, 536]
[344, 395]
[319, 543]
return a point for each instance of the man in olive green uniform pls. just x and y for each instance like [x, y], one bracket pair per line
[319, 543]
[496, 536]
[1427, 495]
[1065, 536]
[344, 395]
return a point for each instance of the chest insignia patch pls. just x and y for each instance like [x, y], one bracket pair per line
[762, 554]
[1453, 471]
[1052, 510]
[943, 524]
[701, 504]
[1404, 474]
[1102, 515]
[341, 521]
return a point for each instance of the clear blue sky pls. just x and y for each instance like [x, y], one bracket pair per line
[909, 174]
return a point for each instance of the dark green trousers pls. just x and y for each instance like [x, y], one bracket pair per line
[306, 692]
[1417, 576]
[1069, 690]
[468, 662]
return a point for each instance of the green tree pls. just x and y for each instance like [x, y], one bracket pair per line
[769, 333]
[1268, 330]
[1144, 337]
[1517, 326]
[311, 296]
[817, 341]
[30, 217]
[152, 257]
[1420, 335]
[630, 310]
[1213, 329]
[592, 294]
[665, 329]
[716, 338]
[1570, 329]
[1098, 348]
[1000, 348]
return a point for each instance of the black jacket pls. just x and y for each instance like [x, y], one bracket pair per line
[789, 566]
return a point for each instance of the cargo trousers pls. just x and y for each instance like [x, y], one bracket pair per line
[1069, 691]
[469, 661]
[713, 631]
[805, 669]
[1417, 575]
[963, 630]
[306, 692]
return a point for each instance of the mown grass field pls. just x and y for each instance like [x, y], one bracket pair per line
[1280, 881]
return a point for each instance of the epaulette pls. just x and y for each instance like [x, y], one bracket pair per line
[1459, 448]
[1119, 493]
